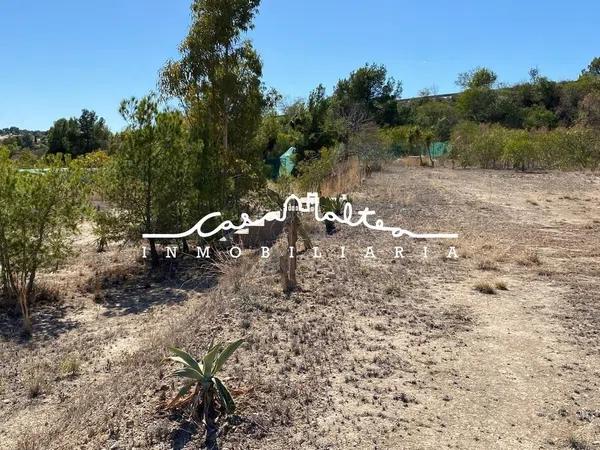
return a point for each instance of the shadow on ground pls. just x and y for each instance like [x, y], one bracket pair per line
[49, 322]
[140, 290]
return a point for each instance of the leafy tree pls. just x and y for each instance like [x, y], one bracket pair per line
[217, 80]
[78, 136]
[63, 136]
[39, 211]
[481, 77]
[589, 110]
[203, 392]
[539, 117]
[478, 104]
[593, 68]
[93, 133]
[369, 89]
[275, 136]
[440, 116]
[149, 181]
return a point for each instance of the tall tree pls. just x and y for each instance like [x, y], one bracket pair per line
[369, 88]
[149, 180]
[63, 136]
[593, 68]
[93, 133]
[218, 81]
[78, 136]
[481, 77]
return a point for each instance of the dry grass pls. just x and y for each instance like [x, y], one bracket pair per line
[487, 264]
[485, 287]
[531, 258]
[501, 285]
[36, 381]
[28, 441]
[347, 176]
[70, 365]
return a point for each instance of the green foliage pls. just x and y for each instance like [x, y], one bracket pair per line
[589, 110]
[149, 182]
[202, 390]
[395, 139]
[478, 104]
[495, 146]
[78, 136]
[218, 81]
[333, 205]
[539, 117]
[481, 77]
[369, 90]
[439, 116]
[273, 137]
[313, 172]
[593, 69]
[39, 211]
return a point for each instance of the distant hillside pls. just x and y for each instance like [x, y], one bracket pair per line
[16, 131]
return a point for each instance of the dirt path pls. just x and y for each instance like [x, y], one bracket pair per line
[514, 379]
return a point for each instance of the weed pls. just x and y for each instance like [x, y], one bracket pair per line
[203, 392]
[531, 259]
[246, 323]
[501, 286]
[486, 264]
[27, 441]
[35, 383]
[485, 288]
[70, 365]
[577, 443]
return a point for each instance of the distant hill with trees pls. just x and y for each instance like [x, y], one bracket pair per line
[74, 136]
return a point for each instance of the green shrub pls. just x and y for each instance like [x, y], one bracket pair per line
[40, 209]
[494, 146]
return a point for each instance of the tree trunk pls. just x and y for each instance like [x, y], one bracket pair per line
[287, 263]
[24, 304]
[153, 253]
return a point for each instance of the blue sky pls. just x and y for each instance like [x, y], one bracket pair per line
[58, 57]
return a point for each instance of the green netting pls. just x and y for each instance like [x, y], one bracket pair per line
[287, 162]
[438, 149]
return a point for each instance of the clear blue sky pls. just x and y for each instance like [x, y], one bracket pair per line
[58, 57]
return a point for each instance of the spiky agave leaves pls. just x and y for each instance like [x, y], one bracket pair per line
[200, 378]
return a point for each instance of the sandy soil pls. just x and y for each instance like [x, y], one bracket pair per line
[378, 353]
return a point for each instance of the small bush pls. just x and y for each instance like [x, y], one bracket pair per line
[27, 441]
[487, 265]
[35, 383]
[494, 146]
[501, 286]
[530, 259]
[485, 288]
[70, 365]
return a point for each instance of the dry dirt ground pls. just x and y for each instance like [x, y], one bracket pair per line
[380, 353]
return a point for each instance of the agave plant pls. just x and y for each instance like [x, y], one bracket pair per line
[334, 205]
[202, 390]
